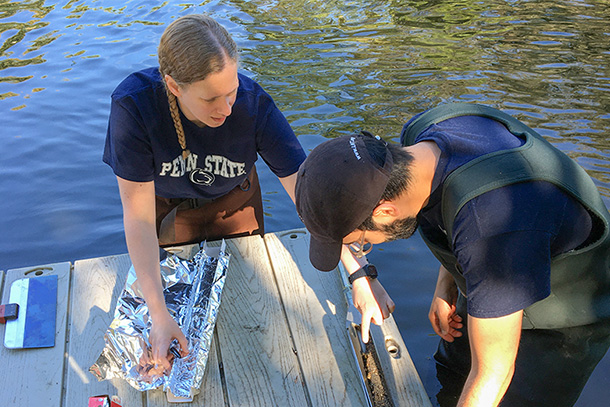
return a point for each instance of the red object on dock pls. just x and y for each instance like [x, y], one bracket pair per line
[8, 312]
[104, 401]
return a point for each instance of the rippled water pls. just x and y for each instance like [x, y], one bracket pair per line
[333, 67]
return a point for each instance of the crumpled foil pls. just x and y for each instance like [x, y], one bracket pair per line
[192, 290]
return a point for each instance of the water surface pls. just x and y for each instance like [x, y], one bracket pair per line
[333, 67]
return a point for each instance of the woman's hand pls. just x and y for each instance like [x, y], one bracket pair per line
[163, 331]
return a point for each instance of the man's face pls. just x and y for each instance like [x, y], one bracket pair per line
[398, 229]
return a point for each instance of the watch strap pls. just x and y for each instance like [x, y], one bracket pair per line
[368, 270]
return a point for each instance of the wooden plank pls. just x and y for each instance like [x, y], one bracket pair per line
[404, 384]
[33, 377]
[256, 350]
[316, 308]
[96, 285]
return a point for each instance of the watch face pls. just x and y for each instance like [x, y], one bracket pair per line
[371, 271]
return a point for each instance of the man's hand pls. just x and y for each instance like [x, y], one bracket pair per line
[163, 331]
[443, 317]
[373, 302]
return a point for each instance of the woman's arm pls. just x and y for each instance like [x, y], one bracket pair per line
[289, 183]
[138, 199]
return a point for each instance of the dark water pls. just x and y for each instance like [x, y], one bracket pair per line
[333, 67]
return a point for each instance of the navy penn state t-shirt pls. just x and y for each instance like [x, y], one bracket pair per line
[142, 145]
[504, 239]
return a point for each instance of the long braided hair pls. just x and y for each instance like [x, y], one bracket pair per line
[191, 48]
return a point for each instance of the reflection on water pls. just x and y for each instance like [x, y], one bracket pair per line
[333, 67]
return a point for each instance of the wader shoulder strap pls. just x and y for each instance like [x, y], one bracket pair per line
[451, 110]
[535, 160]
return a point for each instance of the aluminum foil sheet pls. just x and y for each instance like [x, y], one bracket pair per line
[192, 290]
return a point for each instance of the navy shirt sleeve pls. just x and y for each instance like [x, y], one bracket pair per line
[128, 148]
[506, 273]
[505, 239]
[277, 144]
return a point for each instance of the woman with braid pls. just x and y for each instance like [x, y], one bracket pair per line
[182, 140]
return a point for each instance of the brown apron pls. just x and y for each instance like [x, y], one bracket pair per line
[238, 213]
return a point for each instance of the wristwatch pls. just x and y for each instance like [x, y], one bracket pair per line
[368, 270]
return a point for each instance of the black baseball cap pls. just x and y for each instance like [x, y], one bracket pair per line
[338, 186]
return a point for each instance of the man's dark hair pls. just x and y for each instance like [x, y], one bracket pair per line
[400, 177]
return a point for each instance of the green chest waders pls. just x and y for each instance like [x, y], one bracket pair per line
[580, 279]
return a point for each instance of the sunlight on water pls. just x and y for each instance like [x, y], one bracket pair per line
[333, 67]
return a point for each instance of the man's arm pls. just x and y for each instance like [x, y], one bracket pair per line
[494, 343]
[370, 298]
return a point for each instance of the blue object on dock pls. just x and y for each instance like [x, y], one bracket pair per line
[35, 325]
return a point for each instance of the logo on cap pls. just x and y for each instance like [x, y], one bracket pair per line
[352, 143]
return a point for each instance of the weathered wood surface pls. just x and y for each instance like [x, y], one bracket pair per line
[257, 350]
[404, 384]
[34, 377]
[96, 285]
[315, 308]
[280, 337]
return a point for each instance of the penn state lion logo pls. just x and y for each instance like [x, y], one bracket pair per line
[201, 177]
[212, 166]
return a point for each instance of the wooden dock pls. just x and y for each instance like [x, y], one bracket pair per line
[280, 337]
